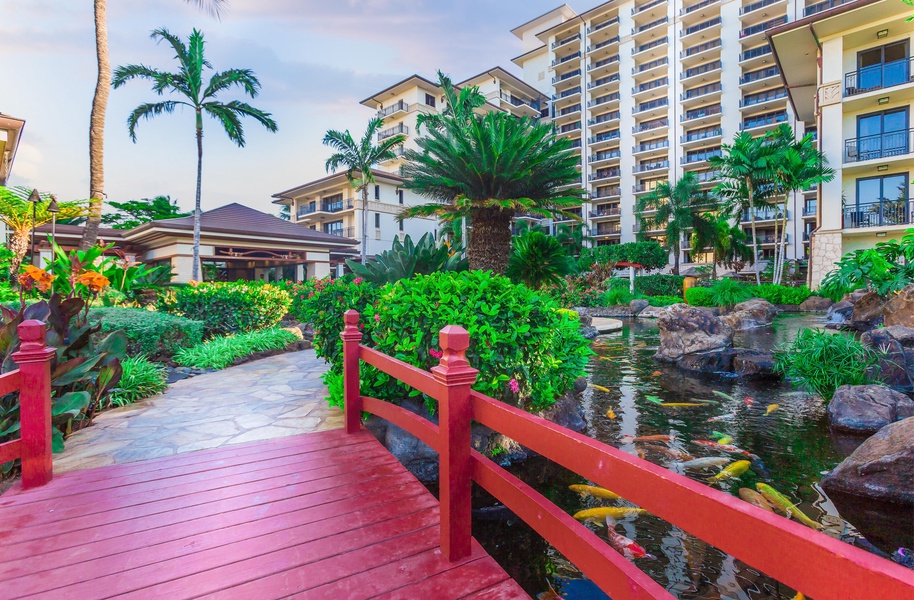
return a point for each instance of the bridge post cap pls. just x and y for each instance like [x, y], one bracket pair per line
[32, 347]
[454, 338]
[351, 317]
[453, 368]
[351, 332]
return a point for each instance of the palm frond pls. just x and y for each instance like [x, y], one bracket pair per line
[214, 7]
[148, 111]
[243, 78]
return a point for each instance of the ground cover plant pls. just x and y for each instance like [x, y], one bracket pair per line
[885, 268]
[236, 307]
[140, 378]
[820, 362]
[158, 335]
[221, 352]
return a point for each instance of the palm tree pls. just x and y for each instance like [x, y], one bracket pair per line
[676, 207]
[538, 259]
[16, 213]
[747, 168]
[188, 84]
[488, 168]
[726, 240]
[97, 116]
[361, 157]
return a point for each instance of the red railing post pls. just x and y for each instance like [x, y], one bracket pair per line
[34, 360]
[352, 403]
[454, 416]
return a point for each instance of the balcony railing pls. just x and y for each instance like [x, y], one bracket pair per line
[569, 92]
[395, 107]
[652, 124]
[330, 207]
[700, 156]
[763, 215]
[650, 65]
[755, 52]
[690, 9]
[756, 5]
[820, 6]
[606, 230]
[702, 134]
[605, 174]
[607, 192]
[603, 81]
[878, 214]
[395, 130]
[715, 43]
[606, 212]
[603, 25]
[762, 120]
[604, 99]
[613, 40]
[699, 113]
[566, 76]
[810, 210]
[348, 232]
[649, 45]
[651, 166]
[644, 7]
[564, 59]
[760, 98]
[700, 91]
[650, 85]
[567, 40]
[569, 110]
[701, 69]
[605, 155]
[611, 116]
[701, 26]
[655, 145]
[652, 24]
[882, 145]
[602, 63]
[603, 137]
[706, 176]
[519, 101]
[658, 103]
[760, 74]
[752, 30]
[570, 127]
[878, 77]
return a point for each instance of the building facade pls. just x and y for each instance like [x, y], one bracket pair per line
[849, 72]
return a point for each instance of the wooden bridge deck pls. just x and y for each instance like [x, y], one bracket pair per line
[322, 515]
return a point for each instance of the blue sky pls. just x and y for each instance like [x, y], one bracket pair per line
[316, 59]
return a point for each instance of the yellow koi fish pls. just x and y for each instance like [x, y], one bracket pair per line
[610, 414]
[607, 511]
[724, 440]
[596, 492]
[799, 596]
[771, 408]
[732, 470]
[754, 498]
[784, 505]
[681, 404]
[599, 388]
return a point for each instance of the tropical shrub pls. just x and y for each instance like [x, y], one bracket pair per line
[405, 259]
[576, 291]
[820, 362]
[699, 296]
[781, 294]
[538, 259]
[155, 334]
[238, 307]
[140, 379]
[649, 254]
[221, 352]
[727, 292]
[885, 268]
[617, 296]
[527, 350]
[664, 300]
[660, 284]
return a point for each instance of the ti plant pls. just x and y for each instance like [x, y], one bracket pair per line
[405, 259]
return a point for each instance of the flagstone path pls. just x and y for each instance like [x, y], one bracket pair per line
[273, 397]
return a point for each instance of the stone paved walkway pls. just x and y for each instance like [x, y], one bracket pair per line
[269, 398]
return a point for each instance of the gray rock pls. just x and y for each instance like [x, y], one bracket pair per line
[652, 312]
[839, 314]
[566, 412]
[899, 310]
[816, 304]
[751, 314]
[895, 346]
[755, 364]
[637, 305]
[688, 330]
[894, 335]
[865, 409]
[867, 312]
[589, 333]
[580, 384]
[852, 297]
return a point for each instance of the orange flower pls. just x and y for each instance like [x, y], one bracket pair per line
[193, 283]
[93, 280]
[25, 282]
[41, 277]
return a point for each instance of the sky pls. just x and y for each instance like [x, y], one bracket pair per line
[316, 59]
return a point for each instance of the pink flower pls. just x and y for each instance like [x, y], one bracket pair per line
[377, 318]
[435, 353]
[357, 280]
[515, 387]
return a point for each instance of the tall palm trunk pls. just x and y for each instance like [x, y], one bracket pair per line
[490, 243]
[676, 249]
[758, 276]
[197, 212]
[364, 223]
[97, 128]
[19, 245]
[777, 248]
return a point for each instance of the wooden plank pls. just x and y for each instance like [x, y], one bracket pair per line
[10, 382]
[88, 501]
[141, 518]
[454, 583]
[301, 551]
[24, 558]
[10, 450]
[187, 564]
[422, 428]
[506, 590]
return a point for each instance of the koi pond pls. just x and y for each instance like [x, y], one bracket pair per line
[791, 441]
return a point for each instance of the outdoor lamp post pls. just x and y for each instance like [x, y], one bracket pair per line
[34, 198]
[53, 208]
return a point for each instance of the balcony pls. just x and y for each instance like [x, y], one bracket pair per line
[603, 62]
[701, 91]
[759, 78]
[566, 41]
[704, 25]
[565, 59]
[878, 77]
[651, 166]
[392, 131]
[651, 105]
[700, 70]
[659, 144]
[701, 156]
[690, 9]
[654, 124]
[762, 98]
[755, 53]
[326, 207]
[698, 53]
[519, 101]
[396, 107]
[607, 80]
[704, 177]
[603, 25]
[604, 99]
[607, 192]
[701, 113]
[810, 210]
[820, 6]
[768, 120]
[607, 42]
[701, 134]
[651, 85]
[885, 145]
[598, 231]
[606, 118]
[757, 5]
[639, 9]
[768, 239]
[567, 94]
[603, 213]
[762, 214]
[571, 127]
[605, 137]
[605, 155]
[602, 174]
[397, 153]
[651, 25]
[761, 27]
[650, 45]
[568, 111]
[651, 69]
[567, 76]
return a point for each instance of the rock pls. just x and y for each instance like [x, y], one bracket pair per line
[652, 312]
[839, 314]
[296, 332]
[589, 333]
[880, 469]
[852, 297]
[580, 384]
[742, 362]
[895, 346]
[636, 306]
[899, 310]
[751, 314]
[755, 364]
[604, 325]
[689, 330]
[714, 362]
[566, 412]
[307, 331]
[604, 311]
[867, 312]
[816, 304]
[865, 409]
[584, 320]
[787, 308]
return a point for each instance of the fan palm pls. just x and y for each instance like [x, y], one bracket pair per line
[489, 168]
[676, 207]
[361, 157]
[747, 170]
[188, 84]
[97, 116]
[16, 213]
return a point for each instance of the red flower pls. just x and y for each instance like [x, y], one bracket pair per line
[435, 353]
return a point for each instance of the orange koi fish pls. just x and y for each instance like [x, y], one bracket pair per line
[623, 545]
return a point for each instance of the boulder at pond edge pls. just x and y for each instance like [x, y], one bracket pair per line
[865, 409]
[689, 330]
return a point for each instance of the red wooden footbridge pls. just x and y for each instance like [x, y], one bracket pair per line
[334, 515]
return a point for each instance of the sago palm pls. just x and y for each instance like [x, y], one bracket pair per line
[188, 84]
[16, 214]
[97, 116]
[676, 207]
[538, 259]
[490, 168]
[361, 157]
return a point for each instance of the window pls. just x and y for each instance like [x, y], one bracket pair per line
[334, 228]
[400, 196]
[377, 192]
[880, 201]
[880, 135]
[430, 100]
[377, 220]
[884, 66]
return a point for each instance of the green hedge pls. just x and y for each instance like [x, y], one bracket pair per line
[239, 307]
[155, 334]
[660, 284]
[699, 296]
[663, 300]
[781, 294]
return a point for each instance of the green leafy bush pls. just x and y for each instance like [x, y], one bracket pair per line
[885, 268]
[664, 300]
[155, 334]
[140, 379]
[527, 350]
[660, 284]
[650, 254]
[221, 352]
[576, 291]
[727, 292]
[617, 297]
[820, 362]
[538, 259]
[405, 259]
[699, 296]
[238, 307]
[781, 294]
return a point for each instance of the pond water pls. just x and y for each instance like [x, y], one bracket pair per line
[792, 442]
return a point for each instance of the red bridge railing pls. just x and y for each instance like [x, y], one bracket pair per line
[804, 559]
[33, 381]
